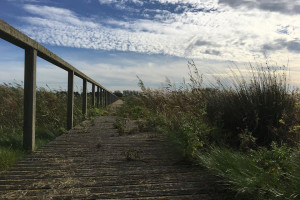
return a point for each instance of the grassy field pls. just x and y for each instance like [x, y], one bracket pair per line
[51, 119]
[245, 129]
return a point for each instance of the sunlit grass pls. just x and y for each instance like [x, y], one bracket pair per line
[51, 118]
[244, 130]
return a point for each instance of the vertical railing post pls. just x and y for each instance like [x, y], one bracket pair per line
[106, 99]
[98, 97]
[70, 100]
[29, 99]
[84, 96]
[93, 95]
[101, 97]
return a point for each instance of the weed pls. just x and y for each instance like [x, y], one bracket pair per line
[92, 112]
[8, 156]
[120, 124]
[133, 154]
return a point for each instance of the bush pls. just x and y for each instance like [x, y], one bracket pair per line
[133, 108]
[274, 161]
[263, 105]
[92, 112]
[189, 133]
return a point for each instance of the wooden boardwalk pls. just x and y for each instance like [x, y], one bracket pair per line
[94, 163]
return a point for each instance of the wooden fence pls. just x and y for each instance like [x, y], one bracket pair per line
[101, 97]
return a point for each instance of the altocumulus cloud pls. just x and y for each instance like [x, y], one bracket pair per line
[202, 29]
[281, 6]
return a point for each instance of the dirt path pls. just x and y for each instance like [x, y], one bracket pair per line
[96, 163]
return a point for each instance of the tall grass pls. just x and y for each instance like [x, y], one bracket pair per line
[262, 104]
[244, 129]
[51, 118]
[259, 175]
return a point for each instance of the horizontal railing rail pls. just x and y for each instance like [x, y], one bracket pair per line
[101, 97]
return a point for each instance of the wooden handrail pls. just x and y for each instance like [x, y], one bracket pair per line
[32, 50]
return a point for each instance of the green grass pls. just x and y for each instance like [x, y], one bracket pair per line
[12, 145]
[272, 178]
[244, 129]
[51, 118]
[9, 156]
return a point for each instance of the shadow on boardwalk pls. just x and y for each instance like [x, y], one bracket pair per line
[94, 162]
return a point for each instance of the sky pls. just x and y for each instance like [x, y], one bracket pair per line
[114, 41]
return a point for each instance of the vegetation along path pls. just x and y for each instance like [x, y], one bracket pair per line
[95, 162]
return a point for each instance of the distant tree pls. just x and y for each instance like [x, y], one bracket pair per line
[130, 93]
[118, 93]
[77, 94]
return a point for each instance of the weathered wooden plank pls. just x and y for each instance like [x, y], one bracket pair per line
[29, 99]
[93, 165]
[70, 100]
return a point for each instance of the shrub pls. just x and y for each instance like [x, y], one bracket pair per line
[133, 108]
[120, 124]
[92, 112]
[263, 105]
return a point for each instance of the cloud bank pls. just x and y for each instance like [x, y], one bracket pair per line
[194, 29]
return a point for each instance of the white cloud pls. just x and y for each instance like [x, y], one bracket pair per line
[121, 2]
[227, 34]
[61, 15]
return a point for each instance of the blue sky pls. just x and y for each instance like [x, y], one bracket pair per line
[113, 41]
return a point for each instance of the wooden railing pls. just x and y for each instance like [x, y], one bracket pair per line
[32, 50]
